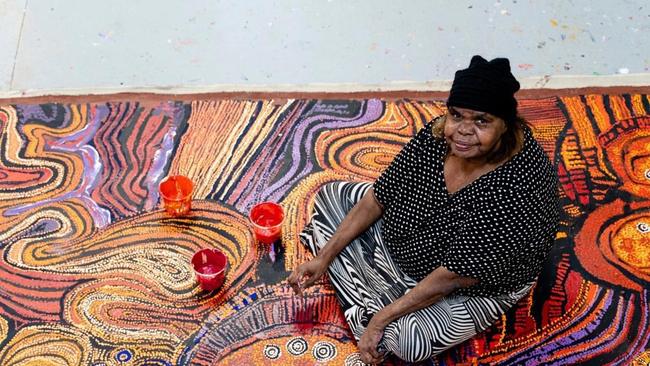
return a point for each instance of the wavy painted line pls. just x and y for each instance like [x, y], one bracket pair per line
[270, 161]
[305, 135]
[47, 345]
[128, 141]
[74, 145]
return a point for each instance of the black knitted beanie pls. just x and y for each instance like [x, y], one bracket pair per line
[486, 87]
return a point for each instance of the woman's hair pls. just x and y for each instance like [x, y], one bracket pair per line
[511, 140]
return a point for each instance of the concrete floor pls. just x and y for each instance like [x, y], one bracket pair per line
[92, 46]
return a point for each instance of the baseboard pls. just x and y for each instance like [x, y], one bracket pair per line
[546, 82]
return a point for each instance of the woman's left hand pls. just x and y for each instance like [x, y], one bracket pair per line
[369, 341]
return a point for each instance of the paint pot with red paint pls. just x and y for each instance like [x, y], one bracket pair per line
[210, 268]
[267, 218]
[176, 194]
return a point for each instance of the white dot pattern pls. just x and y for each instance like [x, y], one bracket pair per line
[498, 229]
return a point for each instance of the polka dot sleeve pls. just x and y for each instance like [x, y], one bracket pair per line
[388, 185]
[502, 232]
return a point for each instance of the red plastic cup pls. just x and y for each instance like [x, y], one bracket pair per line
[210, 268]
[267, 218]
[176, 193]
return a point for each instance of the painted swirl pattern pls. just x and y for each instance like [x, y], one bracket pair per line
[93, 272]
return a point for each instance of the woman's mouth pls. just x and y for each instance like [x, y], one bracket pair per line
[462, 146]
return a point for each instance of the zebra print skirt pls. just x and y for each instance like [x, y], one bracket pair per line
[366, 279]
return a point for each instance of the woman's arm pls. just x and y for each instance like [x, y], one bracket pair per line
[438, 284]
[358, 220]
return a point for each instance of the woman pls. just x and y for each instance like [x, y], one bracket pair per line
[451, 235]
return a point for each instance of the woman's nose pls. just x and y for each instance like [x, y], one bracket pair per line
[466, 128]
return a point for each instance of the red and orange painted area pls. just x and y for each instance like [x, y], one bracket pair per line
[94, 272]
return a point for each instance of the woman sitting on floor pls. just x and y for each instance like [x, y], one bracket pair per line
[451, 235]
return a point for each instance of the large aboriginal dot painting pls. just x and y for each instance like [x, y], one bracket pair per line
[93, 272]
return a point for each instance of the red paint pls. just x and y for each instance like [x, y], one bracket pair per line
[176, 194]
[268, 237]
[267, 218]
[210, 268]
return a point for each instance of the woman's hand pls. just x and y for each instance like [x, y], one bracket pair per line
[307, 274]
[361, 216]
[369, 341]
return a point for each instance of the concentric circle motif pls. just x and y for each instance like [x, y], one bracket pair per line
[643, 227]
[123, 356]
[297, 346]
[647, 174]
[272, 352]
[353, 359]
[324, 351]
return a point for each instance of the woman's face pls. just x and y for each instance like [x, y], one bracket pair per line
[472, 135]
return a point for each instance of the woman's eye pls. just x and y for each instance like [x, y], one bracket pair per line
[481, 122]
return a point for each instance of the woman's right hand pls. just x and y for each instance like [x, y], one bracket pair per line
[306, 274]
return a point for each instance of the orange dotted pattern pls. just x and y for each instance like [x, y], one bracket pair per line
[92, 271]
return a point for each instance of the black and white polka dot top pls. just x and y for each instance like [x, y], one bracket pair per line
[498, 229]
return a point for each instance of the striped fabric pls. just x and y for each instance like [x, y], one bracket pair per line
[366, 279]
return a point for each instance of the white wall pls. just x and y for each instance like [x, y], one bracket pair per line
[119, 45]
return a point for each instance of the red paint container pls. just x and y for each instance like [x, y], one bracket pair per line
[176, 194]
[267, 218]
[210, 268]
